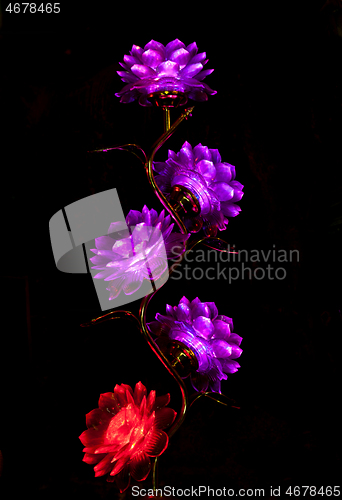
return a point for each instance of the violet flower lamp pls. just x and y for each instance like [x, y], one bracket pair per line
[199, 192]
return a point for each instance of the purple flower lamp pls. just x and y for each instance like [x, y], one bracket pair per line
[206, 334]
[164, 75]
[200, 172]
[136, 251]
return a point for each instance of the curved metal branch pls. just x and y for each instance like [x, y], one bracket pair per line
[181, 415]
[216, 396]
[212, 242]
[149, 170]
[217, 244]
[155, 474]
[125, 147]
[222, 399]
[143, 307]
[120, 314]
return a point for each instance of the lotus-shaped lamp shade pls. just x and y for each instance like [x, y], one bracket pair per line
[209, 336]
[125, 431]
[157, 68]
[201, 171]
[136, 250]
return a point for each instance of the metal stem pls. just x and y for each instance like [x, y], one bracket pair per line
[118, 314]
[167, 123]
[142, 314]
[149, 170]
[168, 131]
[155, 474]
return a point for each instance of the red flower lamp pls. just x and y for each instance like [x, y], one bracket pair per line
[125, 431]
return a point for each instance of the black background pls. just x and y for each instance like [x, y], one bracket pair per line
[276, 117]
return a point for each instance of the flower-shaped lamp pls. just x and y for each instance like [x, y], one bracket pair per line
[125, 431]
[164, 75]
[125, 258]
[208, 335]
[212, 183]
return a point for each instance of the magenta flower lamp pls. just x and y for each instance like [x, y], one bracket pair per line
[167, 71]
[210, 337]
[200, 171]
[130, 429]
